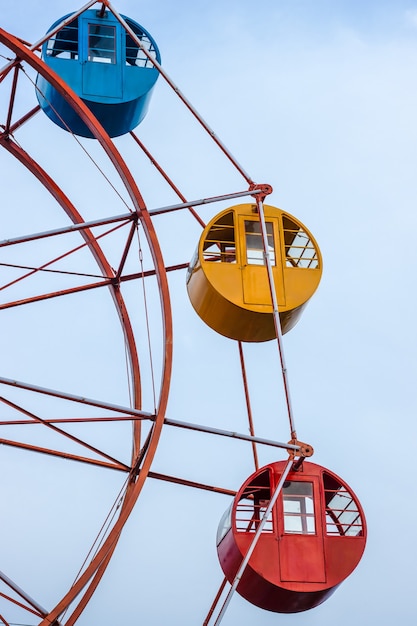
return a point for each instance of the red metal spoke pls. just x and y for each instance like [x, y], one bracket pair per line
[20, 605]
[90, 589]
[215, 602]
[166, 177]
[182, 97]
[191, 483]
[39, 610]
[5, 71]
[65, 455]
[126, 250]
[248, 404]
[89, 286]
[125, 217]
[12, 99]
[70, 420]
[57, 294]
[45, 266]
[90, 577]
[61, 432]
[44, 269]
[24, 119]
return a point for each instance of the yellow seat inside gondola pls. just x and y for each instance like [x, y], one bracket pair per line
[227, 279]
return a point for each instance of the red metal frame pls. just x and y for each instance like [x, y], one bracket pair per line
[80, 593]
[86, 584]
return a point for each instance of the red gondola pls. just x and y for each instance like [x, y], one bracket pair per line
[311, 541]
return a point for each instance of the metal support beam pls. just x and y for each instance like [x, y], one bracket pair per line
[255, 540]
[143, 415]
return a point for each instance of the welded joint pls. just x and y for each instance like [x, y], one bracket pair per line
[305, 450]
[262, 190]
[115, 280]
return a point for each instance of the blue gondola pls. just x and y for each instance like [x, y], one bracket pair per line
[101, 62]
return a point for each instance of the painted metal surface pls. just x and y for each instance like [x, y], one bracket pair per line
[313, 539]
[105, 66]
[142, 455]
[227, 280]
[230, 289]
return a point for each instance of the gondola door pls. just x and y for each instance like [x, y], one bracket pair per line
[256, 288]
[300, 528]
[102, 62]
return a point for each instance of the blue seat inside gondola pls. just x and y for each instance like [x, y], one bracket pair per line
[103, 63]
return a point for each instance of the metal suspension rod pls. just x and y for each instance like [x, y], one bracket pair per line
[40, 610]
[215, 602]
[248, 404]
[12, 100]
[74, 398]
[252, 546]
[234, 435]
[125, 217]
[165, 176]
[24, 119]
[277, 321]
[184, 100]
[191, 483]
[186, 205]
[143, 415]
[60, 431]
[120, 467]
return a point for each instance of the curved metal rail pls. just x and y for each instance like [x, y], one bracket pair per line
[142, 458]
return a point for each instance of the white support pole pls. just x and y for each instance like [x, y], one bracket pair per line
[277, 321]
[252, 546]
[182, 97]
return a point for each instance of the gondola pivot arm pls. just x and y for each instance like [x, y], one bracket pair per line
[262, 190]
[305, 449]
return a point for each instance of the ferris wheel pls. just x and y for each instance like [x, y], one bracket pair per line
[89, 327]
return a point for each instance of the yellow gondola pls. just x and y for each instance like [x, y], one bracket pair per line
[227, 279]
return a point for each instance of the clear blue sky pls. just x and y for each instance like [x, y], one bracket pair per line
[318, 99]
